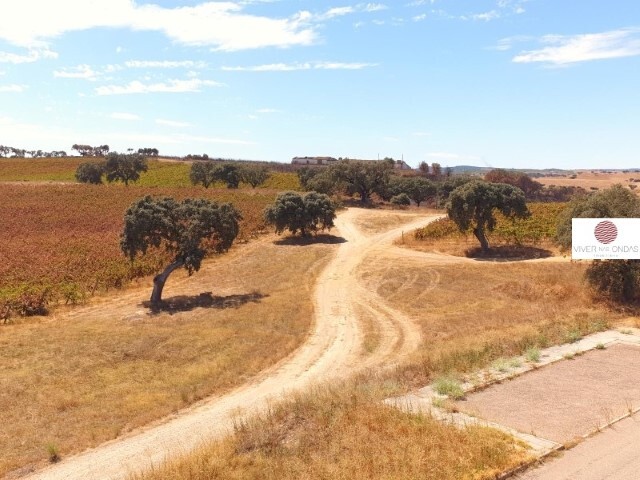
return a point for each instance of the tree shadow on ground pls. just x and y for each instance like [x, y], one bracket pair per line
[187, 303]
[323, 238]
[508, 253]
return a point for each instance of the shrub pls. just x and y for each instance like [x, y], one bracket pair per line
[450, 387]
[90, 173]
[616, 280]
[401, 200]
[297, 213]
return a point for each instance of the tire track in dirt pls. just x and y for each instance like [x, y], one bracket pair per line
[333, 350]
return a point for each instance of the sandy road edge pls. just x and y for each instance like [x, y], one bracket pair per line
[331, 351]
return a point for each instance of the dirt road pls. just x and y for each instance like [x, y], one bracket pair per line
[333, 350]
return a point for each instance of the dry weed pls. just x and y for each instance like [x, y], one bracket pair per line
[89, 375]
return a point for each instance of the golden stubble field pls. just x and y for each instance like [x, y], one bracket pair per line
[91, 373]
[470, 313]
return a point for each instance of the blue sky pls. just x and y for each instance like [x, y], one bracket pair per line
[501, 83]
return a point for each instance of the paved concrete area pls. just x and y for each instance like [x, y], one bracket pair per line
[565, 401]
[609, 455]
[585, 387]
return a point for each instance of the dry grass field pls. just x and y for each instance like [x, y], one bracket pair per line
[345, 433]
[470, 313]
[474, 312]
[594, 180]
[92, 373]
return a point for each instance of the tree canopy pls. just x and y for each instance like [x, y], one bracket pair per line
[90, 173]
[89, 151]
[614, 202]
[301, 213]
[120, 167]
[254, 175]
[149, 152]
[417, 189]
[616, 280]
[518, 179]
[473, 206]
[229, 174]
[203, 173]
[187, 230]
[361, 177]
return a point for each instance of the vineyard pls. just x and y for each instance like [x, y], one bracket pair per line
[160, 174]
[61, 242]
[539, 227]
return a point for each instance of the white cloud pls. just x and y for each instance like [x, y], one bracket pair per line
[508, 43]
[338, 12]
[33, 55]
[125, 116]
[171, 86]
[563, 50]
[486, 16]
[164, 64]
[290, 67]
[81, 71]
[418, 3]
[421, 134]
[220, 25]
[12, 88]
[172, 123]
[374, 7]
[419, 18]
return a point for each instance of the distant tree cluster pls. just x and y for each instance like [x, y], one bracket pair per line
[149, 152]
[207, 173]
[89, 151]
[118, 167]
[351, 177]
[521, 180]
[191, 156]
[12, 152]
[365, 178]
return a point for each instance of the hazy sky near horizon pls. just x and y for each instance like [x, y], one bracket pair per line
[501, 83]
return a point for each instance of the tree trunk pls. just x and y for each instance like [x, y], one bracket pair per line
[159, 281]
[479, 233]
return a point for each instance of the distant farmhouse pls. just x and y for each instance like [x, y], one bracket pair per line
[313, 160]
[324, 161]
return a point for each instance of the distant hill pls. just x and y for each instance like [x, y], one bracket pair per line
[470, 169]
[547, 172]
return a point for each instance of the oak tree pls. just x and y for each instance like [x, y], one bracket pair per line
[120, 167]
[188, 230]
[203, 173]
[90, 173]
[473, 206]
[301, 213]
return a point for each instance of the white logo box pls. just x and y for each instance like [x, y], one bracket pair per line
[622, 240]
